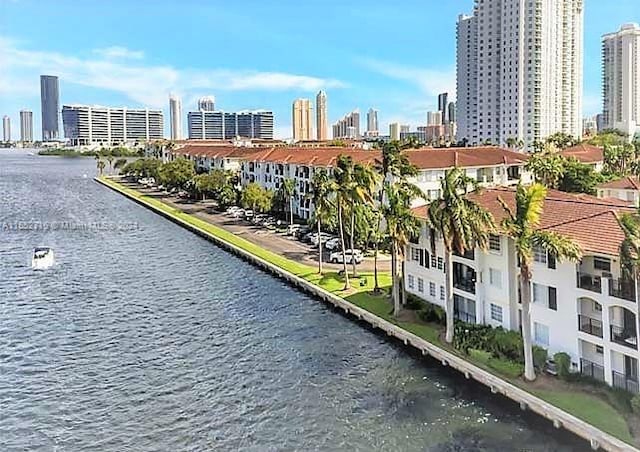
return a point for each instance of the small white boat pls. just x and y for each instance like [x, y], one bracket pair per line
[42, 258]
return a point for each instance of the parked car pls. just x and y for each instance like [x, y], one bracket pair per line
[333, 244]
[231, 210]
[238, 213]
[248, 214]
[301, 233]
[293, 228]
[350, 256]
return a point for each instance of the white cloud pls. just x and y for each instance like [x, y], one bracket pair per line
[119, 52]
[430, 81]
[146, 84]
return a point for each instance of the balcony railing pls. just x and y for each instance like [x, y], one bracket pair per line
[468, 285]
[625, 289]
[465, 317]
[624, 336]
[623, 382]
[590, 325]
[590, 282]
[591, 369]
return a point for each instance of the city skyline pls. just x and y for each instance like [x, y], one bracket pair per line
[144, 71]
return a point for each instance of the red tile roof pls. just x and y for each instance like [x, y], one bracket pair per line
[590, 221]
[584, 153]
[626, 183]
[440, 158]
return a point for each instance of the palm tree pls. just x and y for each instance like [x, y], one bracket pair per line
[100, 165]
[119, 164]
[401, 226]
[109, 158]
[343, 181]
[321, 193]
[521, 225]
[364, 184]
[462, 224]
[630, 247]
[288, 188]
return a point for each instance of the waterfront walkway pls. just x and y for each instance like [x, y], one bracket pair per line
[360, 304]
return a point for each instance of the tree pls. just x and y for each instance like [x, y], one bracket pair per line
[100, 165]
[620, 160]
[176, 174]
[362, 190]
[401, 226]
[521, 225]
[119, 164]
[255, 197]
[630, 247]
[579, 178]
[343, 186]
[562, 140]
[109, 158]
[288, 189]
[462, 223]
[214, 184]
[321, 197]
[609, 137]
[547, 167]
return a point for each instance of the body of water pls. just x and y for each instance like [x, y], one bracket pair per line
[144, 337]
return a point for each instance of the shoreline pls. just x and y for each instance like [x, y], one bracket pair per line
[285, 269]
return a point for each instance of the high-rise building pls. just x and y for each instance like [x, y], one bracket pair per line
[301, 113]
[50, 105]
[404, 128]
[589, 126]
[26, 126]
[219, 125]
[451, 112]
[394, 131]
[434, 118]
[372, 123]
[85, 124]
[600, 122]
[621, 79]
[207, 103]
[321, 116]
[6, 129]
[348, 126]
[519, 70]
[175, 117]
[443, 104]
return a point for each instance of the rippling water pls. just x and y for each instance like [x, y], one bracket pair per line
[145, 337]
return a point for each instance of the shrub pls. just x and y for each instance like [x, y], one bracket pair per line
[539, 357]
[504, 367]
[635, 404]
[414, 303]
[432, 314]
[563, 364]
[498, 341]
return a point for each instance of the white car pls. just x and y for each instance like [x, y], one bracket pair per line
[333, 244]
[325, 237]
[350, 255]
[248, 214]
[232, 209]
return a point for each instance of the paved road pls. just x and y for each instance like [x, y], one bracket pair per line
[279, 243]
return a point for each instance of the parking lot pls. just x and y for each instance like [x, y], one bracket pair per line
[271, 236]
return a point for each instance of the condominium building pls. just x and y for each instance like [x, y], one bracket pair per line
[348, 126]
[394, 131]
[321, 116]
[372, 123]
[207, 103]
[301, 117]
[621, 80]
[6, 129]
[451, 112]
[26, 126]
[519, 72]
[587, 309]
[589, 126]
[175, 117]
[443, 104]
[50, 106]
[219, 125]
[434, 118]
[85, 124]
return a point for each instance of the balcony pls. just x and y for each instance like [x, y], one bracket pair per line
[464, 278]
[591, 369]
[589, 282]
[624, 289]
[465, 317]
[590, 325]
[624, 382]
[624, 336]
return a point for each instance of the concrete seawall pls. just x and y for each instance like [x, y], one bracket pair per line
[560, 419]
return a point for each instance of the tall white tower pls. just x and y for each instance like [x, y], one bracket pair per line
[321, 116]
[175, 117]
[519, 72]
[621, 79]
[301, 117]
[6, 129]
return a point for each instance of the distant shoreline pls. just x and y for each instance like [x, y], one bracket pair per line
[118, 152]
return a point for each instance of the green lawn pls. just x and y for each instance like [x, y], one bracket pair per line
[584, 406]
[591, 409]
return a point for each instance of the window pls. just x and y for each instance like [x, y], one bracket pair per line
[601, 263]
[496, 312]
[420, 285]
[539, 255]
[415, 254]
[540, 294]
[494, 243]
[442, 293]
[433, 261]
[599, 350]
[495, 278]
[553, 299]
[597, 307]
[432, 289]
[410, 281]
[541, 333]
[440, 263]
[424, 258]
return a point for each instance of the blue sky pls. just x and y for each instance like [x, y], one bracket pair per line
[251, 54]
